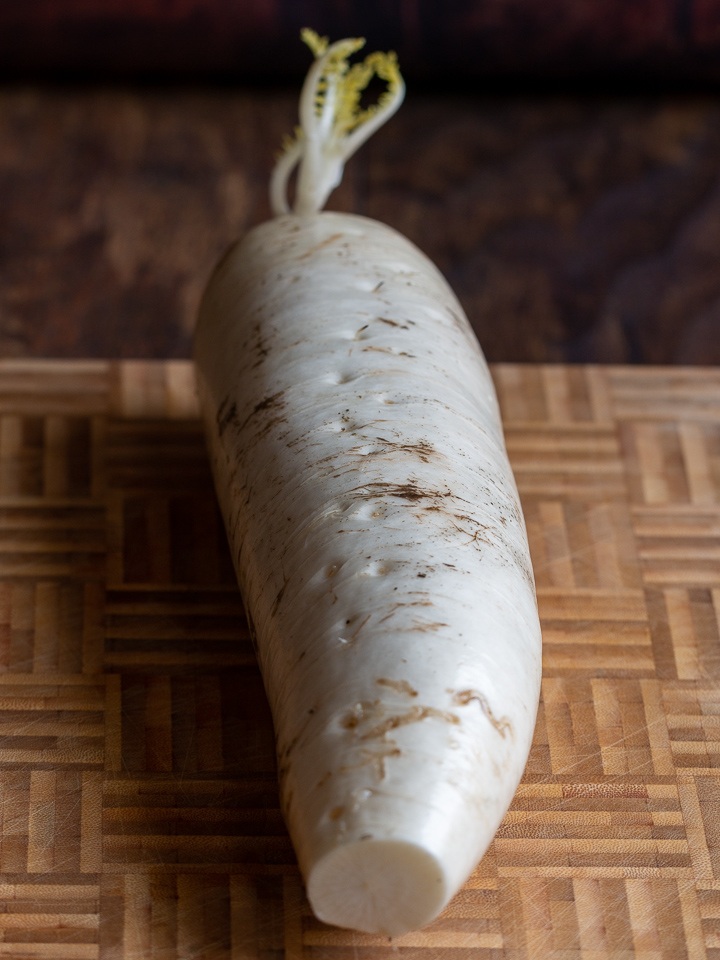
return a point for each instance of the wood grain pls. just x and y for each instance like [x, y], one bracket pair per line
[138, 798]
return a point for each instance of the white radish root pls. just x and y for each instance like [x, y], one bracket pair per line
[377, 536]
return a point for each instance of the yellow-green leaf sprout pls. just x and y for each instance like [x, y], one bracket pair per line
[333, 124]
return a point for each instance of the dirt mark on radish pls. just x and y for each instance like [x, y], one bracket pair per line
[260, 346]
[399, 606]
[272, 403]
[396, 323]
[414, 715]
[463, 697]
[271, 407]
[319, 246]
[400, 686]
[278, 598]
[226, 414]
[367, 710]
[375, 758]
[422, 450]
[410, 491]
[390, 350]
[428, 626]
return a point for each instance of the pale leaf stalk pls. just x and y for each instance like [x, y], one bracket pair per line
[284, 166]
[332, 124]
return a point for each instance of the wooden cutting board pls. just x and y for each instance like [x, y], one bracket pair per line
[138, 799]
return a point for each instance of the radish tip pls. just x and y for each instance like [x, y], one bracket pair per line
[378, 886]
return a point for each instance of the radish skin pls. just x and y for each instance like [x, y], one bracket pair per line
[377, 536]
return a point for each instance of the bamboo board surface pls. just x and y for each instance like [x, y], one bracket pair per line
[138, 798]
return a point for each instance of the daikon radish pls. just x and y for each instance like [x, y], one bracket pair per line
[375, 528]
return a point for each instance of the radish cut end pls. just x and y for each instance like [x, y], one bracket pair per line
[387, 887]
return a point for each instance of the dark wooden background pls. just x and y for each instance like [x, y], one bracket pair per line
[256, 40]
[559, 161]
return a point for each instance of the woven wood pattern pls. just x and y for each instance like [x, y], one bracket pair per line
[138, 798]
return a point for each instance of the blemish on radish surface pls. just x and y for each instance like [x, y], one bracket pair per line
[401, 686]
[464, 697]
[414, 715]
